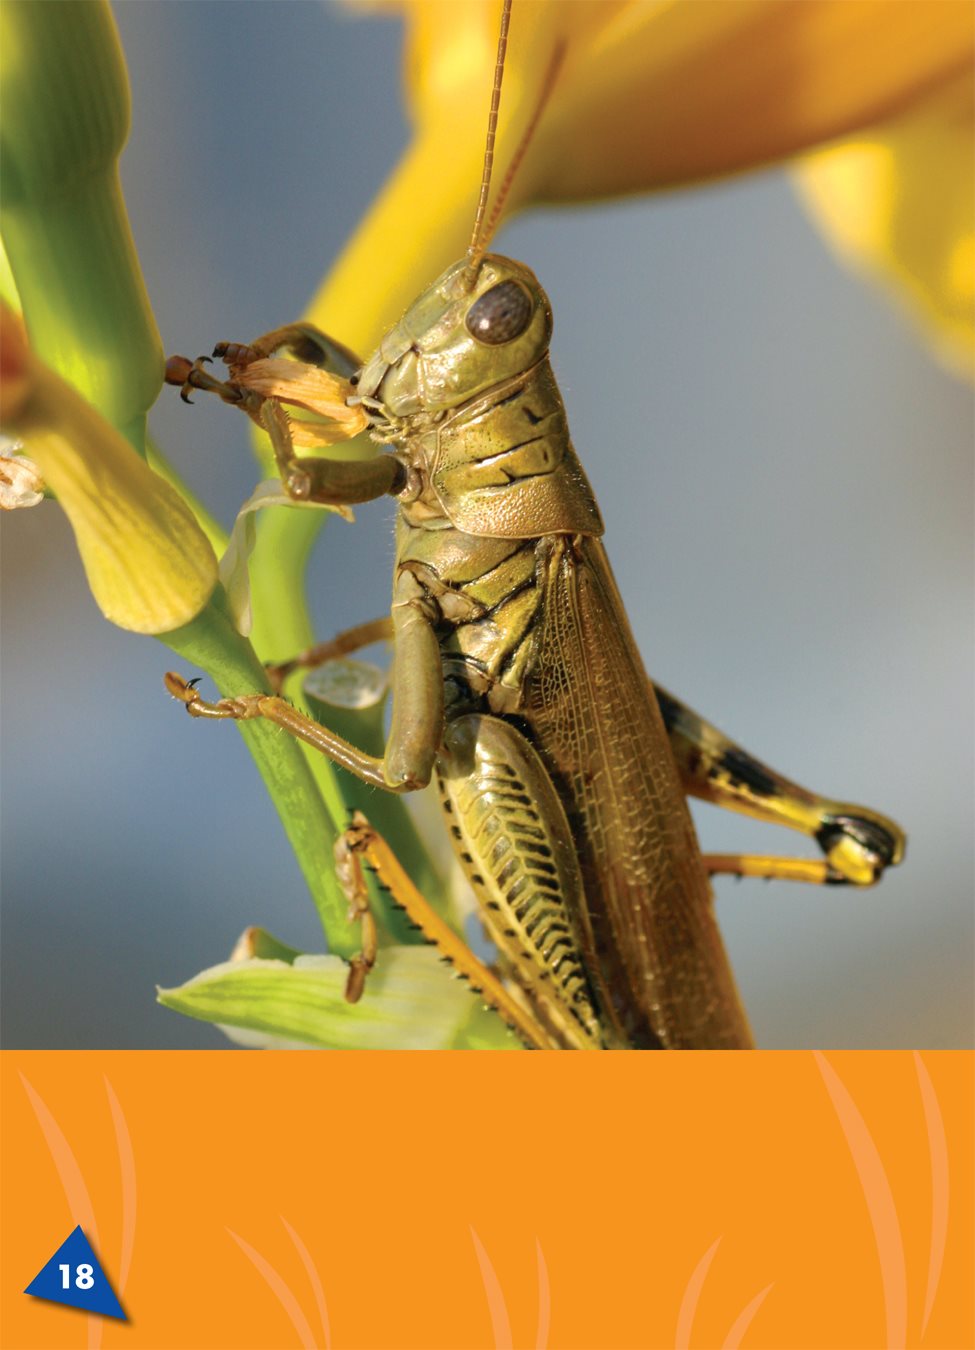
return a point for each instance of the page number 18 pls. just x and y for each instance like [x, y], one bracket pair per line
[83, 1277]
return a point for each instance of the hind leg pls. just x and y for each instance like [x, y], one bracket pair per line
[857, 843]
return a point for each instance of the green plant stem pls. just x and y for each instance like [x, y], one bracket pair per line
[65, 228]
[71, 254]
[284, 541]
[282, 627]
[81, 289]
[211, 642]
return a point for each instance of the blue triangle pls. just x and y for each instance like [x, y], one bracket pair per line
[74, 1276]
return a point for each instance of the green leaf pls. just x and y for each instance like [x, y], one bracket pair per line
[411, 1001]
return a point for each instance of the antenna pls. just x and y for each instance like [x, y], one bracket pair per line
[548, 84]
[476, 249]
[483, 234]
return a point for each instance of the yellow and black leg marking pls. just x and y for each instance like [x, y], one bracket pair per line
[858, 844]
[770, 867]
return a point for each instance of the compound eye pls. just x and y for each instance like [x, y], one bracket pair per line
[500, 314]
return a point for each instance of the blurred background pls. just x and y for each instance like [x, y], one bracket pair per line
[786, 480]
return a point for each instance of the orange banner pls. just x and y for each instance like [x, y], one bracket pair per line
[491, 1200]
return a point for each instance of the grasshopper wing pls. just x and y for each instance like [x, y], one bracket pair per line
[655, 956]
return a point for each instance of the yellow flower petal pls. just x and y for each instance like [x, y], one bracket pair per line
[650, 95]
[899, 205]
[420, 223]
[663, 92]
[675, 93]
[148, 563]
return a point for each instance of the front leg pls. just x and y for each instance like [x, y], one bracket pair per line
[417, 722]
[260, 384]
[329, 482]
[858, 843]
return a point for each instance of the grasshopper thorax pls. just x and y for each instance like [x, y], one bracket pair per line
[459, 339]
[464, 388]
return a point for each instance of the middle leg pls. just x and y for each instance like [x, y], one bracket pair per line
[343, 644]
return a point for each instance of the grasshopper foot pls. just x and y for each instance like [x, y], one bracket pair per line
[240, 709]
[188, 375]
[859, 845]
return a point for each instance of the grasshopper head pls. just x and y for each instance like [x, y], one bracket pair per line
[458, 339]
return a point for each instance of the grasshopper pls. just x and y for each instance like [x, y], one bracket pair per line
[562, 770]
